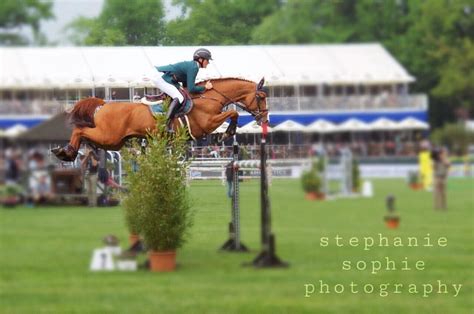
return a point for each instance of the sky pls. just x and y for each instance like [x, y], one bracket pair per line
[66, 11]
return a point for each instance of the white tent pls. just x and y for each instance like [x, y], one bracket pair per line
[412, 124]
[289, 126]
[251, 128]
[95, 66]
[15, 130]
[321, 126]
[383, 124]
[353, 125]
[222, 128]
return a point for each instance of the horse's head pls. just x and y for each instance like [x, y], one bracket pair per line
[261, 99]
[257, 106]
[247, 95]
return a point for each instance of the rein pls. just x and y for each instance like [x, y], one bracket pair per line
[230, 101]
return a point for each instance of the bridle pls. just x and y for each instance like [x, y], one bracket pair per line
[257, 114]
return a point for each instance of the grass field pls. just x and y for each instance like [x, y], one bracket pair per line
[45, 255]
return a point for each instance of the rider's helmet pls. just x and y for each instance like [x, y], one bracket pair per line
[202, 53]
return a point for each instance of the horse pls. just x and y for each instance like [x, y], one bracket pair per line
[109, 125]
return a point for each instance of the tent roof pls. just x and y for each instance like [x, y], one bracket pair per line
[321, 126]
[222, 128]
[85, 67]
[383, 124]
[290, 126]
[52, 130]
[412, 124]
[353, 125]
[252, 127]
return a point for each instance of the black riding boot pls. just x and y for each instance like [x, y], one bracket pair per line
[174, 106]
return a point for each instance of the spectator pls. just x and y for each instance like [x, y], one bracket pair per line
[90, 166]
[12, 167]
[440, 169]
[229, 174]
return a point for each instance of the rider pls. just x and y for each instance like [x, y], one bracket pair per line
[183, 72]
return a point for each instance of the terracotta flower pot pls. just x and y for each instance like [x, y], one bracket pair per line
[133, 238]
[313, 196]
[162, 261]
[392, 222]
[320, 196]
[416, 186]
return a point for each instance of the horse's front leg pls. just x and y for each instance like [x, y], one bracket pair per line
[220, 118]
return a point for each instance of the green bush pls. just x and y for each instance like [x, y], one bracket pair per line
[413, 177]
[355, 175]
[455, 137]
[157, 205]
[10, 190]
[311, 179]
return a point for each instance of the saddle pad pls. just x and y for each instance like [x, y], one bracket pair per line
[186, 108]
[156, 110]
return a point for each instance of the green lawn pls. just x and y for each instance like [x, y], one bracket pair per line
[45, 255]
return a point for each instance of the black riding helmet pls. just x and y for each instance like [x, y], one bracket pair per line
[202, 53]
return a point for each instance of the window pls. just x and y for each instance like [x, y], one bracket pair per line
[308, 90]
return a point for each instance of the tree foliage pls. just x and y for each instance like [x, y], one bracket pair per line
[433, 39]
[217, 22]
[121, 23]
[16, 14]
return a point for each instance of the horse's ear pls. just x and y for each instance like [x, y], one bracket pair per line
[260, 84]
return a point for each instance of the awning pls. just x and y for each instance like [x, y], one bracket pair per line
[222, 128]
[383, 124]
[251, 128]
[353, 125]
[412, 124]
[306, 118]
[321, 126]
[289, 126]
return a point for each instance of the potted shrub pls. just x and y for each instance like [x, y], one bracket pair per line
[311, 182]
[157, 205]
[130, 200]
[10, 195]
[392, 219]
[414, 180]
[355, 176]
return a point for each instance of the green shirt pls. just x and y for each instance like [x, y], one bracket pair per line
[182, 72]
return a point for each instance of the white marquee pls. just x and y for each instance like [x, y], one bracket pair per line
[87, 67]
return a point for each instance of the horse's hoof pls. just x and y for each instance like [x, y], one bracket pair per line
[64, 154]
[56, 150]
[222, 137]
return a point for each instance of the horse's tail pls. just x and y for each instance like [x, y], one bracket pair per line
[82, 115]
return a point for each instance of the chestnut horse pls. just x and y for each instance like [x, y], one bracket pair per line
[108, 125]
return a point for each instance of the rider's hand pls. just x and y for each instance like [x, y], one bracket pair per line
[208, 85]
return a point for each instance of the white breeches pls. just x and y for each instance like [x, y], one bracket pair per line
[167, 88]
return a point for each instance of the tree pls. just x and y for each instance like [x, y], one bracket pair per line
[121, 23]
[217, 22]
[301, 22]
[15, 14]
[433, 39]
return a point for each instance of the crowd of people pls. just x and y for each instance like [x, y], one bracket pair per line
[35, 177]
[362, 149]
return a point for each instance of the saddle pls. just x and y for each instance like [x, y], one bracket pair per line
[155, 103]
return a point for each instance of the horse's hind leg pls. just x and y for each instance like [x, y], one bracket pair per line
[69, 152]
[95, 135]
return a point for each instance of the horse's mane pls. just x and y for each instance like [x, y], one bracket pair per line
[82, 115]
[222, 79]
